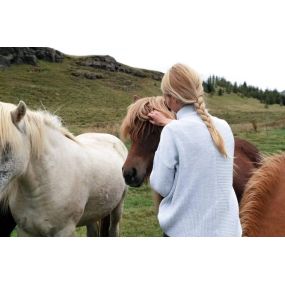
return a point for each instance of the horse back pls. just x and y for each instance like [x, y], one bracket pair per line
[105, 141]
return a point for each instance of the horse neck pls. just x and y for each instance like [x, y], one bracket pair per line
[40, 169]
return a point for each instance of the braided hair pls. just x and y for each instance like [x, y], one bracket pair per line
[184, 84]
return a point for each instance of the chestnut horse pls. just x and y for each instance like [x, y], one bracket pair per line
[145, 138]
[262, 208]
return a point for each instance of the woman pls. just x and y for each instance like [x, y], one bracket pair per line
[193, 165]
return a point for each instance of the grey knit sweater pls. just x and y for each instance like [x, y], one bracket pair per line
[195, 179]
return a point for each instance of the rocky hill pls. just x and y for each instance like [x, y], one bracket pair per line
[28, 55]
[31, 55]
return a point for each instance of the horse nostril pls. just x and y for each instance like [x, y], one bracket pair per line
[130, 175]
[134, 172]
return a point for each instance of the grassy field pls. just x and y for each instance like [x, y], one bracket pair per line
[99, 105]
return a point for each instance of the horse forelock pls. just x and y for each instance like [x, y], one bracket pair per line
[35, 123]
[258, 191]
[136, 123]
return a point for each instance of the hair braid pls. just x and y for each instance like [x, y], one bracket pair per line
[184, 84]
[217, 138]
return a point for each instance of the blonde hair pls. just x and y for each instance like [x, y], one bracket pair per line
[184, 84]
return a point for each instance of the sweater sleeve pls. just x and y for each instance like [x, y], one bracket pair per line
[165, 163]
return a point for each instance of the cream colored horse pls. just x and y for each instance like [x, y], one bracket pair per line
[55, 182]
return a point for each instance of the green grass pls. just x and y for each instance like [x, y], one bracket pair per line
[268, 141]
[139, 217]
[81, 102]
[240, 111]
[100, 105]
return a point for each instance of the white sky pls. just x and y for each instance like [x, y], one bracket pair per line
[240, 40]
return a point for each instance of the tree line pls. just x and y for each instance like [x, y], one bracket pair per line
[219, 85]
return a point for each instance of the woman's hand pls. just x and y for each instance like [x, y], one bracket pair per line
[157, 118]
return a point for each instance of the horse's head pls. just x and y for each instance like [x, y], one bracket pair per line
[24, 138]
[14, 143]
[144, 138]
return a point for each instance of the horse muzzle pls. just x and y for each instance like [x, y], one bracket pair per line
[132, 178]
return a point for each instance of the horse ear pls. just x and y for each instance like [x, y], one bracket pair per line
[136, 98]
[18, 114]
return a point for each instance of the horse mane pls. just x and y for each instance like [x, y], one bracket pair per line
[136, 122]
[258, 191]
[35, 123]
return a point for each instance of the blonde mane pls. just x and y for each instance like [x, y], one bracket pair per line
[137, 122]
[35, 123]
[259, 189]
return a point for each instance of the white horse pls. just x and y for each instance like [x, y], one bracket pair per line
[54, 181]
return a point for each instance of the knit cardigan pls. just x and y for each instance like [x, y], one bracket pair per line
[194, 179]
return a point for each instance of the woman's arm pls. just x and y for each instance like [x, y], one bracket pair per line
[164, 164]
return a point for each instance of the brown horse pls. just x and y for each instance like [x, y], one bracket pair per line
[246, 159]
[145, 138]
[262, 209]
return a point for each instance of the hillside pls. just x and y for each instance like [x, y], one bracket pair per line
[92, 93]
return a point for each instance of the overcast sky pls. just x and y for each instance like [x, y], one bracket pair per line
[240, 40]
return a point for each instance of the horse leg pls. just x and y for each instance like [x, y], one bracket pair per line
[102, 230]
[157, 200]
[7, 223]
[115, 218]
[92, 230]
[104, 226]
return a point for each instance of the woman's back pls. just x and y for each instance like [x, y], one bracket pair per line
[201, 201]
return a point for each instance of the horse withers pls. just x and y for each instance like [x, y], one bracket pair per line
[145, 138]
[53, 181]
